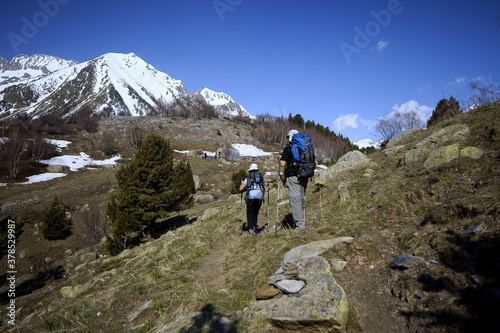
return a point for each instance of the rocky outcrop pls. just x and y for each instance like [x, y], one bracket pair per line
[350, 161]
[307, 297]
[401, 137]
[440, 147]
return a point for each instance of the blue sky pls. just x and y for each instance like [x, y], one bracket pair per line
[341, 63]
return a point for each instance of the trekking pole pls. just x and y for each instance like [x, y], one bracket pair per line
[268, 208]
[278, 199]
[241, 203]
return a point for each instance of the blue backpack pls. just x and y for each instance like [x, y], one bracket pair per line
[303, 155]
[255, 186]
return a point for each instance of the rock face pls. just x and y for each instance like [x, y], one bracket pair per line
[311, 299]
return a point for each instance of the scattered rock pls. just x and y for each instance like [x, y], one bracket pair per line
[88, 257]
[70, 291]
[137, 312]
[405, 262]
[475, 228]
[338, 265]
[211, 212]
[197, 182]
[204, 198]
[421, 294]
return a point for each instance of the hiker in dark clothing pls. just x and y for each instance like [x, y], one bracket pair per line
[296, 186]
[255, 193]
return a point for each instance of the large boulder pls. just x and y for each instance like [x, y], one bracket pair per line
[350, 161]
[442, 155]
[320, 307]
[401, 137]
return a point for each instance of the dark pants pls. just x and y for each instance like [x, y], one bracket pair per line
[253, 206]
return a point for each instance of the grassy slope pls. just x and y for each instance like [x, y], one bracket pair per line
[396, 208]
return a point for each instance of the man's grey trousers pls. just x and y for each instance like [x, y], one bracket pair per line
[296, 191]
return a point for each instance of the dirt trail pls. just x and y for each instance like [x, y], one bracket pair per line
[210, 274]
[364, 280]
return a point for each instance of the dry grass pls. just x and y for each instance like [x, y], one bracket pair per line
[394, 201]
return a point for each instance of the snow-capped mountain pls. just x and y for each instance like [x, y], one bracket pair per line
[365, 143]
[110, 84]
[223, 103]
[23, 67]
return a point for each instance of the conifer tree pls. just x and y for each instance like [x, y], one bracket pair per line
[151, 186]
[55, 224]
[445, 109]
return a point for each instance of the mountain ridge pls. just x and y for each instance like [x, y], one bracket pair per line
[110, 84]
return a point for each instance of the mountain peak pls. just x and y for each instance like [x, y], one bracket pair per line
[110, 84]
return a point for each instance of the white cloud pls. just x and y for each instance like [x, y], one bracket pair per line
[352, 120]
[457, 81]
[423, 111]
[382, 44]
[345, 121]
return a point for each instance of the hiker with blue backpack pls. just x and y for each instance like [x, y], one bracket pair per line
[298, 159]
[256, 186]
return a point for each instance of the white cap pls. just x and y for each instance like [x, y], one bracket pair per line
[292, 133]
[253, 166]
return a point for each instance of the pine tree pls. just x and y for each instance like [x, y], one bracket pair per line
[445, 109]
[55, 224]
[151, 186]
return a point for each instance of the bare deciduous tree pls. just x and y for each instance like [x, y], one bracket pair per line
[390, 124]
[485, 94]
[137, 135]
[108, 144]
[92, 225]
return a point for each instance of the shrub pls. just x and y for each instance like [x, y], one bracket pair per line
[445, 109]
[151, 186]
[236, 179]
[55, 224]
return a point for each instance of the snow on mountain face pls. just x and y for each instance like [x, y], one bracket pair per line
[23, 67]
[110, 84]
[221, 101]
[365, 143]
